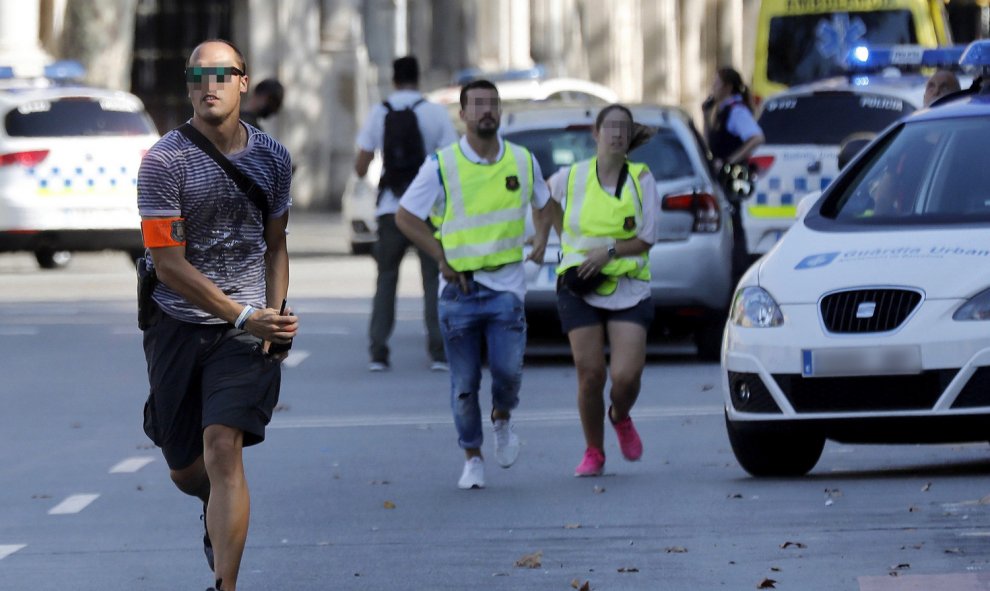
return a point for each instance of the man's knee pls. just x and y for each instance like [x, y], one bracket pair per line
[192, 479]
[222, 445]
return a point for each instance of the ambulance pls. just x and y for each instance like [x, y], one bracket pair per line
[799, 41]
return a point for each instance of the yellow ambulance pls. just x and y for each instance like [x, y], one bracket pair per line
[800, 41]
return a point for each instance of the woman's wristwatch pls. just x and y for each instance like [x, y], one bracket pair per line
[611, 252]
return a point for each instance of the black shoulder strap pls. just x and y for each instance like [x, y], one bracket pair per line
[623, 173]
[416, 104]
[388, 106]
[255, 193]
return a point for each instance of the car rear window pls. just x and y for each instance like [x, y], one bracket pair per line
[826, 118]
[555, 148]
[77, 116]
[809, 47]
[925, 172]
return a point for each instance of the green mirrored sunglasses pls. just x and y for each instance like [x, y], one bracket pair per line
[196, 74]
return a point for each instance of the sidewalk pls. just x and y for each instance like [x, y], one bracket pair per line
[317, 233]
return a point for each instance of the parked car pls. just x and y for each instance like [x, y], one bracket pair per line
[867, 322]
[360, 194]
[69, 158]
[805, 126]
[691, 264]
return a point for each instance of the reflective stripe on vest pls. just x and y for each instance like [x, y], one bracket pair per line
[484, 218]
[604, 219]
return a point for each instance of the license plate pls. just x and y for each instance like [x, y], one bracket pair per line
[858, 361]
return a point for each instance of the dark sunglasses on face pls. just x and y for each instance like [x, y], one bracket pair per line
[196, 74]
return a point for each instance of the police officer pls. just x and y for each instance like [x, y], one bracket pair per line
[477, 191]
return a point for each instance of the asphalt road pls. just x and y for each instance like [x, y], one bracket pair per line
[355, 487]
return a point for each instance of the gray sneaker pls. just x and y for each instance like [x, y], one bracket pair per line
[506, 442]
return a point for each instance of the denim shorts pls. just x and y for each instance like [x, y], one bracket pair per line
[575, 312]
[202, 375]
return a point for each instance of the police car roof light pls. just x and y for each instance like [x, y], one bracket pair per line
[977, 56]
[6, 72]
[65, 70]
[863, 58]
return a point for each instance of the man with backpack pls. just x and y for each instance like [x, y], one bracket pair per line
[405, 128]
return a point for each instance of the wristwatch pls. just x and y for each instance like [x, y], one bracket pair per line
[611, 252]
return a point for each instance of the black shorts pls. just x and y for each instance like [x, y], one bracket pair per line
[202, 375]
[574, 312]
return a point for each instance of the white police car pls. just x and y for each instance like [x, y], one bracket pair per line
[868, 321]
[805, 125]
[69, 157]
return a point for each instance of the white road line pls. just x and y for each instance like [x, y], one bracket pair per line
[295, 358]
[18, 331]
[73, 504]
[131, 464]
[8, 549]
[551, 416]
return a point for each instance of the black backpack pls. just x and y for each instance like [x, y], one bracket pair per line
[403, 151]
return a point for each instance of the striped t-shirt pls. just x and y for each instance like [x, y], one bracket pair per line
[223, 227]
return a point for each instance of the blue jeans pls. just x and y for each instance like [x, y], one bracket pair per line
[469, 321]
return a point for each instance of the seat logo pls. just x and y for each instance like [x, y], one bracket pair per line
[866, 309]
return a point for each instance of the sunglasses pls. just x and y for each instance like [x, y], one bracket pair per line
[196, 74]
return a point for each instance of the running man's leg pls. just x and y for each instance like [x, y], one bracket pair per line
[463, 330]
[588, 350]
[230, 504]
[628, 357]
[505, 334]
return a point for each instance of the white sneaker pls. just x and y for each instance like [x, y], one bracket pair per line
[377, 366]
[506, 442]
[473, 475]
[439, 366]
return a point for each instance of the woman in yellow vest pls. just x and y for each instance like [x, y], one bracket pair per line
[606, 210]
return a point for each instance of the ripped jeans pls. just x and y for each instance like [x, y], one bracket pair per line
[469, 322]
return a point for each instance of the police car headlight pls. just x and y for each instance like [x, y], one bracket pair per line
[753, 307]
[977, 308]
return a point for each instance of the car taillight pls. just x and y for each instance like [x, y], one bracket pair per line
[703, 206]
[29, 159]
[762, 164]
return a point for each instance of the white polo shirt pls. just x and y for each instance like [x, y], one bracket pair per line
[434, 124]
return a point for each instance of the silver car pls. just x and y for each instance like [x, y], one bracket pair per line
[691, 264]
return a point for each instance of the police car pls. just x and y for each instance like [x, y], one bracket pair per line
[69, 157]
[805, 125]
[868, 321]
[690, 265]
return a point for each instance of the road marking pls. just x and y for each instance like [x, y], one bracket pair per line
[18, 331]
[131, 464]
[974, 534]
[551, 416]
[295, 358]
[73, 504]
[8, 549]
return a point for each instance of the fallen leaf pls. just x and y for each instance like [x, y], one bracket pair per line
[914, 509]
[534, 560]
[586, 586]
[953, 551]
[927, 487]
[793, 545]
[735, 496]
[628, 569]
[575, 584]
[767, 584]
[379, 482]
[775, 569]
[572, 526]
[893, 573]
[598, 490]
[707, 387]
[389, 505]
[900, 566]
[675, 550]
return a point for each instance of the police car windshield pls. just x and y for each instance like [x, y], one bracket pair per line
[77, 116]
[826, 118]
[927, 172]
[804, 48]
[554, 148]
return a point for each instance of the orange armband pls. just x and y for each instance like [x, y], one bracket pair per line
[163, 232]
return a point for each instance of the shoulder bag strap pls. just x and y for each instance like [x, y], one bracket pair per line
[255, 193]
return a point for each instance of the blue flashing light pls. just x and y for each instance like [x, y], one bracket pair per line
[863, 58]
[977, 55]
[65, 70]
[6, 72]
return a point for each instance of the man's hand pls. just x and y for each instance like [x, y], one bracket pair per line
[455, 277]
[539, 249]
[593, 263]
[271, 327]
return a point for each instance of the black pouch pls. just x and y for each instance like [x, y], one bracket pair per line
[147, 280]
[578, 286]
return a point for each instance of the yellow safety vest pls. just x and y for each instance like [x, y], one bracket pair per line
[596, 219]
[484, 219]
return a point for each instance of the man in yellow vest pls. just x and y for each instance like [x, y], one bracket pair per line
[476, 192]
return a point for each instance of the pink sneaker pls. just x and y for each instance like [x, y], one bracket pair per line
[629, 442]
[592, 464]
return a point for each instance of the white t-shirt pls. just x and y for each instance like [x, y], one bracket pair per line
[434, 124]
[629, 292]
[426, 195]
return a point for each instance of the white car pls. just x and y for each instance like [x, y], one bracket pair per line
[690, 265]
[69, 158]
[805, 125]
[361, 194]
[867, 322]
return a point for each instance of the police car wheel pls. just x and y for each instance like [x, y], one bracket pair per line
[52, 259]
[777, 450]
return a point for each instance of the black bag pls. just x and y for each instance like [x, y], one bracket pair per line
[403, 149]
[147, 280]
[578, 286]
